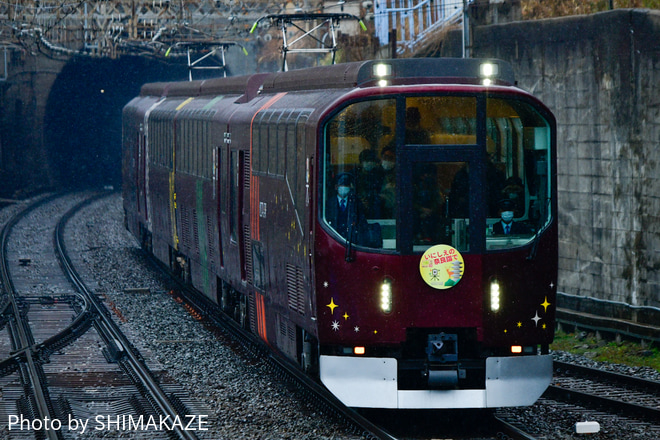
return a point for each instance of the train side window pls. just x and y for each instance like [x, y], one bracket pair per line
[233, 196]
[292, 156]
[273, 153]
[186, 144]
[302, 178]
[354, 140]
[281, 144]
[196, 147]
[519, 148]
[202, 163]
[259, 148]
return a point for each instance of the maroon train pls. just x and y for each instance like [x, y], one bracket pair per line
[357, 218]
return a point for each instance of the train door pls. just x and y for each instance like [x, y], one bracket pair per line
[142, 175]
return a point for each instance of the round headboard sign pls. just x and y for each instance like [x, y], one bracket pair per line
[441, 266]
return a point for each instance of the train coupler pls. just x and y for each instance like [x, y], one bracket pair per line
[442, 368]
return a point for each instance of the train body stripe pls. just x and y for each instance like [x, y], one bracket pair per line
[184, 103]
[212, 102]
[261, 316]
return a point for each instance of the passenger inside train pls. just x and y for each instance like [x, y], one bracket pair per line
[438, 157]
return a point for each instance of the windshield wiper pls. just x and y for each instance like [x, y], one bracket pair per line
[349, 244]
[537, 237]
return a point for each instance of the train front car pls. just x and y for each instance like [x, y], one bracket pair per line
[436, 242]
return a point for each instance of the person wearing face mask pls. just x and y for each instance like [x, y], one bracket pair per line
[344, 213]
[341, 208]
[514, 191]
[506, 225]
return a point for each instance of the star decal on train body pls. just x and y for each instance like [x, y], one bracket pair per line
[335, 325]
[356, 329]
[545, 304]
[536, 319]
[345, 315]
[332, 306]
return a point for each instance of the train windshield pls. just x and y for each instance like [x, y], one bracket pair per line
[405, 173]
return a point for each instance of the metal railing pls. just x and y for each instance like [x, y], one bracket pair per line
[413, 20]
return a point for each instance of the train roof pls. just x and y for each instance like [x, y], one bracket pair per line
[347, 75]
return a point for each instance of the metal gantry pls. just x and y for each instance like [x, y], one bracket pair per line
[315, 22]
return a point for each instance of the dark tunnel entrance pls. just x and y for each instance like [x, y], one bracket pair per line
[83, 116]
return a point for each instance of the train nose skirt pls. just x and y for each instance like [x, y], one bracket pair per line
[372, 383]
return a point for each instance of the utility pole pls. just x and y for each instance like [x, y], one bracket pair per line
[466, 30]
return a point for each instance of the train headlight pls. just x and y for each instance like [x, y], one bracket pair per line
[386, 296]
[382, 72]
[488, 71]
[494, 296]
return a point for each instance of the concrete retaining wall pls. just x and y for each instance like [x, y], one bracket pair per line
[600, 75]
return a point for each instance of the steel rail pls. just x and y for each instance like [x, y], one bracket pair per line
[252, 344]
[33, 381]
[510, 431]
[636, 410]
[41, 351]
[111, 331]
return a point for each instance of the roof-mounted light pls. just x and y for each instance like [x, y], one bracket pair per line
[382, 70]
[488, 71]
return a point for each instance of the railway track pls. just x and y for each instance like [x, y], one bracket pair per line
[628, 395]
[589, 402]
[62, 374]
[317, 395]
[94, 375]
[281, 368]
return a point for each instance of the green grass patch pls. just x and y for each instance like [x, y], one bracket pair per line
[624, 352]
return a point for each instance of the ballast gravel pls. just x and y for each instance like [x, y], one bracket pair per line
[243, 399]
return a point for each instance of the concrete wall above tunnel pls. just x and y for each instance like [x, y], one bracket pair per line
[60, 119]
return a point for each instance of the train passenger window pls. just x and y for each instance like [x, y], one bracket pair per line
[273, 152]
[291, 155]
[259, 148]
[519, 149]
[234, 196]
[302, 176]
[281, 143]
